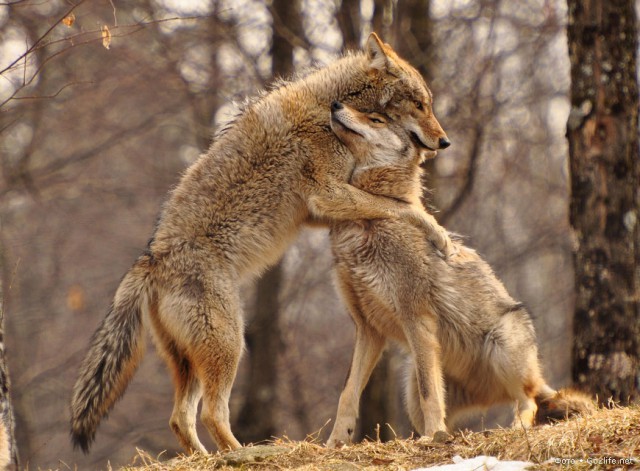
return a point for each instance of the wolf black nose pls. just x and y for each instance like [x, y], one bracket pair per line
[336, 105]
[444, 143]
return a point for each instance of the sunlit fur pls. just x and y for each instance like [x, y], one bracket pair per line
[273, 168]
[472, 345]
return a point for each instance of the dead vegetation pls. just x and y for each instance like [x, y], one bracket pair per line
[594, 441]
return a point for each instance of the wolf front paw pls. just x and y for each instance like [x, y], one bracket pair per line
[439, 436]
[335, 443]
[443, 244]
[341, 435]
[434, 232]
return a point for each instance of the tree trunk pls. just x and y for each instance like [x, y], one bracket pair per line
[605, 182]
[350, 23]
[384, 12]
[407, 28]
[375, 401]
[256, 421]
[257, 417]
[8, 448]
[287, 26]
[412, 38]
[412, 34]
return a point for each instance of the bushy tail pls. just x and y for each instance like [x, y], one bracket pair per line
[114, 354]
[561, 404]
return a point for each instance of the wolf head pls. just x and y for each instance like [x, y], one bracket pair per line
[387, 156]
[374, 139]
[399, 92]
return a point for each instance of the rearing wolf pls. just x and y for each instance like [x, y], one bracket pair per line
[235, 210]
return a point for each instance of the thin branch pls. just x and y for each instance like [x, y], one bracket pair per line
[479, 127]
[40, 67]
[115, 19]
[109, 142]
[470, 177]
[286, 32]
[41, 38]
[53, 95]
[10, 4]
[126, 30]
[134, 26]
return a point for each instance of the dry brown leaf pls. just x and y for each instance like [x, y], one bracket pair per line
[69, 20]
[76, 298]
[106, 36]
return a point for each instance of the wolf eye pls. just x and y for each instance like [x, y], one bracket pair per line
[376, 120]
[419, 105]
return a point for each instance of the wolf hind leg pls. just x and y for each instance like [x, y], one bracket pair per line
[200, 332]
[529, 385]
[215, 414]
[525, 412]
[512, 354]
[216, 357]
[524, 390]
[422, 339]
[519, 383]
[185, 410]
[219, 365]
[187, 392]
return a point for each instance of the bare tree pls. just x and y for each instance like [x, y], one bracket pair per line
[349, 22]
[412, 34]
[605, 181]
[263, 336]
[376, 402]
[8, 447]
[407, 27]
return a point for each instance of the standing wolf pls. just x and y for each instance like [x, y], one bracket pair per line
[276, 166]
[465, 333]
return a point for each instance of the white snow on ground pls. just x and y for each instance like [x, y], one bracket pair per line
[480, 463]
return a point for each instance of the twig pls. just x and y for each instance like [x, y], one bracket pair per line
[115, 19]
[54, 95]
[41, 38]
[526, 438]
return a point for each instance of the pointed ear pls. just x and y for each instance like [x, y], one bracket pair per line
[375, 52]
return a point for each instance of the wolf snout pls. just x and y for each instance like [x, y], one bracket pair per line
[336, 106]
[443, 142]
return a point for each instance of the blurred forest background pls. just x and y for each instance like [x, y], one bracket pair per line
[98, 121]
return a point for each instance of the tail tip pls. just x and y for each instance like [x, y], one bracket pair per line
[81, 440]
[565, 403]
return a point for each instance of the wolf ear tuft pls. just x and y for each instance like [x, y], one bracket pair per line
[375, 53]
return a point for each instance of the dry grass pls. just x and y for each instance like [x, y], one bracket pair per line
[606, 434]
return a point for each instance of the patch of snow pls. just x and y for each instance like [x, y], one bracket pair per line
[489, 463]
